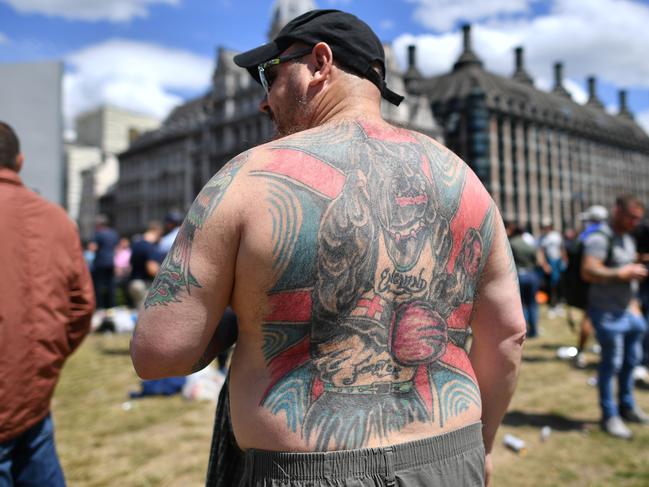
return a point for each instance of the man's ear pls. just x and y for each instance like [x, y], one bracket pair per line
[20, 158]
[323, 62]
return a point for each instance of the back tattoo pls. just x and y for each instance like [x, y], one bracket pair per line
[379, 239]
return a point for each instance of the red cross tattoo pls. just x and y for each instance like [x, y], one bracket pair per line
[373, 307]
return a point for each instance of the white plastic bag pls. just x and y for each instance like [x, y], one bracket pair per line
[204, 385]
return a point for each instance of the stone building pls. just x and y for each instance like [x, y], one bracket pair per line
[166, 168]
[541, 155]
[31, 101]
[92, 168]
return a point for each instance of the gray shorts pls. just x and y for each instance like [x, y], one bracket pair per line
[452, 459]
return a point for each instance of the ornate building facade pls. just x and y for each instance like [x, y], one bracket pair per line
[166, 168]
[91, 161]
[541, 155]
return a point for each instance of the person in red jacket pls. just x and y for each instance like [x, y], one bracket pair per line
[46, 304]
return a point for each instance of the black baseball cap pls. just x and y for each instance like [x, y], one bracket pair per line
[352, 42]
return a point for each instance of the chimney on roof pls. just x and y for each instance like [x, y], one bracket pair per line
[520, 74]
[412, 52]
[624, 109]
[519, 58]
[559, 89]
[592, 93]
[468, 57]
[466, 32]
[412, 73]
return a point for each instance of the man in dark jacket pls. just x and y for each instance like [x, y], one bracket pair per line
[103, 266]
[46, 303]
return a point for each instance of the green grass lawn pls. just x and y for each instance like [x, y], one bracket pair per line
[165, 441]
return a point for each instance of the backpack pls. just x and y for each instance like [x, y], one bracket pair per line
[576, 287]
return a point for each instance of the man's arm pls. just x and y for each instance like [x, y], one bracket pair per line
[152, 267]
[498, 334]
[542, 260]
[82, 296]
[175, 333]
[593, 270]
[225, 336]
[597, 247]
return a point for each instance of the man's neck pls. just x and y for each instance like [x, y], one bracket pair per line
[339, 105]
[10, 175]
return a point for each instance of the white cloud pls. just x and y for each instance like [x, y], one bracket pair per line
[90, 10]
[387, 24]
[643, 119]
[3, 39]
[435, 53]
[605, 38]
[442, 15]
[578, 93]
[133, 75]
[576, 90]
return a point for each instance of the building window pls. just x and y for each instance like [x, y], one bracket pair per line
[516, 166]
[501, 165]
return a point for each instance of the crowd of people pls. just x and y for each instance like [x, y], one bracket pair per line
[123, 269]
[360, 272]
[600, 269]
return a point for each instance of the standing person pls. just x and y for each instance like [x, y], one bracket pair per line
[576, 288]
[145, 263]
[551, 257]
[122, 262]
[369, 251]
[609, 265]
[172, 222]
[89, 249]
[528, 237]
[525, 259]
[641, 235]
[103, 266]
[46, 303]
[569, 244]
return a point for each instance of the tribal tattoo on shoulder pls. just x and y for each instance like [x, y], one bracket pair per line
[379, 240]
[175, 276]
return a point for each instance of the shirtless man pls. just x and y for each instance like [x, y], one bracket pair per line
[355, 274]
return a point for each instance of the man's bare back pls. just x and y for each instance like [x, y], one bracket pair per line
[360, 249]
[355, 255]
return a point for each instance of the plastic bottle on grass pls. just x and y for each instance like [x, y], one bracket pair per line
[515, 444]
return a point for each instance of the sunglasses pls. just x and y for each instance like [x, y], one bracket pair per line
[267, 77]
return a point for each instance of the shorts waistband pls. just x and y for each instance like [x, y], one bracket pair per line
[365, 461]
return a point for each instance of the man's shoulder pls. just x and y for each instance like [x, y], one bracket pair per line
[322, 158]
[603, 231]
[52, 215]
[108, 233]
[49, 223]
[141, 246]
[598, 238]
[337, 141]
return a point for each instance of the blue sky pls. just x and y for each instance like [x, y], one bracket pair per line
[149, 55]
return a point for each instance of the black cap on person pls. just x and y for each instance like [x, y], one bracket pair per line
[352, 41]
